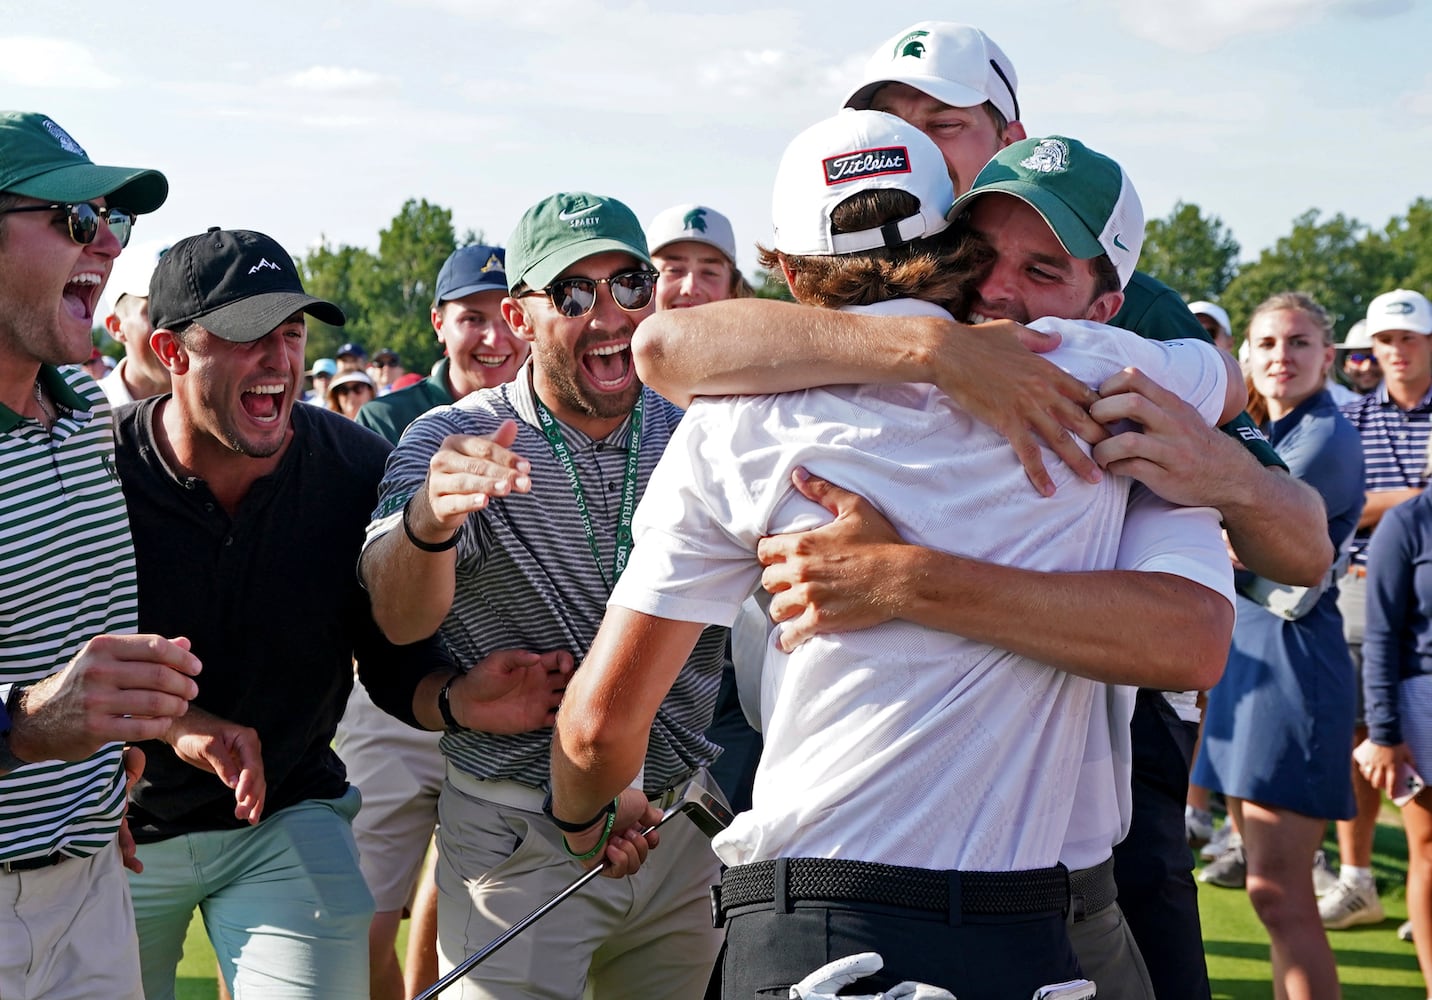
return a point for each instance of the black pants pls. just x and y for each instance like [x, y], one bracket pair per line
[1154, 866]
[977, 958]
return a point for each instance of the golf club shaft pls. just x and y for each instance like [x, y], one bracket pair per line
[467, 964]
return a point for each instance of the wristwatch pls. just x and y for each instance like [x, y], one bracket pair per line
[8, 760]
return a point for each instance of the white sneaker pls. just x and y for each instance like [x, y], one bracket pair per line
[1229, 871]
[1221, 840]
[1198, 826]
[1325, 880]
[1350, 905]
[1404, 931]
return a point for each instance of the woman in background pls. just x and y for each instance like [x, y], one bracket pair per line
[1278, 730]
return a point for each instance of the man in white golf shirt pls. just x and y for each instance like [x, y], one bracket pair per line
[845, 849]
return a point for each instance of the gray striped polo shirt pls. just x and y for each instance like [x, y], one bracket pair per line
[526, 578]
[66, 575]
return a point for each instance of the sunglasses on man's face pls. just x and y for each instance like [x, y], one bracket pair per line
[1361, 357]
[573, 297]
[83, 219]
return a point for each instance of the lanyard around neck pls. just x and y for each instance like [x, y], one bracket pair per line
[553, 433]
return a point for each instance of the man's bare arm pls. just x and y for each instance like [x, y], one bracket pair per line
[1121, 627]
[606, 715]
[1277, 524]
[1379, 502]
[412, 589]
[746, 346]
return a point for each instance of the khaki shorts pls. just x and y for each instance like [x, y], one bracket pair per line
[68, 932]
[399, 771]
[647, 936]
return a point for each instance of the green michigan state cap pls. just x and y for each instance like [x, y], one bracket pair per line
[38, 159]
[564, 228]
[1084, 196]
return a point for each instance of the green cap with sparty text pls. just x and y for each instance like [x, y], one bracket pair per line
[1084, 196]
[38, 159]
[564, 228]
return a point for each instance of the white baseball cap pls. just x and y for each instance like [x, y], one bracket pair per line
[1401, 309]
[1357, 338]
[692, 222]
[1213, 312]
[954, 63]
[851, 152]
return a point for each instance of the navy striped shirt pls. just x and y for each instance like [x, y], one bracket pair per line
[526, 578]
[1394, 447]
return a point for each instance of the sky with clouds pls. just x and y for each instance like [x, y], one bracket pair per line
[315, 120]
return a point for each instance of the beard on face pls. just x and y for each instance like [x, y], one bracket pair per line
[560, 369]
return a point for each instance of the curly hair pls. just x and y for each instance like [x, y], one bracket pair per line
[943, 269]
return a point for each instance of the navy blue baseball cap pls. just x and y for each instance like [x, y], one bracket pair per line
[477, 268]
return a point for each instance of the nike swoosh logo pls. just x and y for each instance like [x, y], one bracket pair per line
[1120, 244]
[568, 216]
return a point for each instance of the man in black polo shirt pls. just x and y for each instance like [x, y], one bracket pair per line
[244, 808]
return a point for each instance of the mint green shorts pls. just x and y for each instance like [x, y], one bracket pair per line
[284, 903]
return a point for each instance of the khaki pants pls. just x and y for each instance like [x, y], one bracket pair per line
[68, 932]
[647, 936]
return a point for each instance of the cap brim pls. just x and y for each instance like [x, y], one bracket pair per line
[139, 191]
[1068, 228]
[466, 290]
[256, 316]
[945, 91]
[542, 273]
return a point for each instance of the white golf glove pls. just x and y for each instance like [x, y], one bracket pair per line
[826, 982]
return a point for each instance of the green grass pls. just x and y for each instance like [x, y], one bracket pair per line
[1372, 963]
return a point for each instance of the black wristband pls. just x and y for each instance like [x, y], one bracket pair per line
[418, 543]
[445, 704]
[607, 810]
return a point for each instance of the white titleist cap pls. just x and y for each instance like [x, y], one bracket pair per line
[1401, 309]
[852, 152]
[692, 222]
[953, 63]
[1213, 312]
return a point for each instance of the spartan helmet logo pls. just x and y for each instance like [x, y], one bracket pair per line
[911, 45]
[1049, 157]
[694, 220]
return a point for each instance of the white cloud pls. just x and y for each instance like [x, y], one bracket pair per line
[1204, 25]
[33, 61]
[336, 80]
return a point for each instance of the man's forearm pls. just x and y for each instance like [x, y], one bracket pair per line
[1278, 527]
[1379, 502]
[1146, 629]
[411, 590]
[748, 346]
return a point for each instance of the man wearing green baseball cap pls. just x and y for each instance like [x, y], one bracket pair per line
[76, 683]
[958, 87]
[503, 522]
